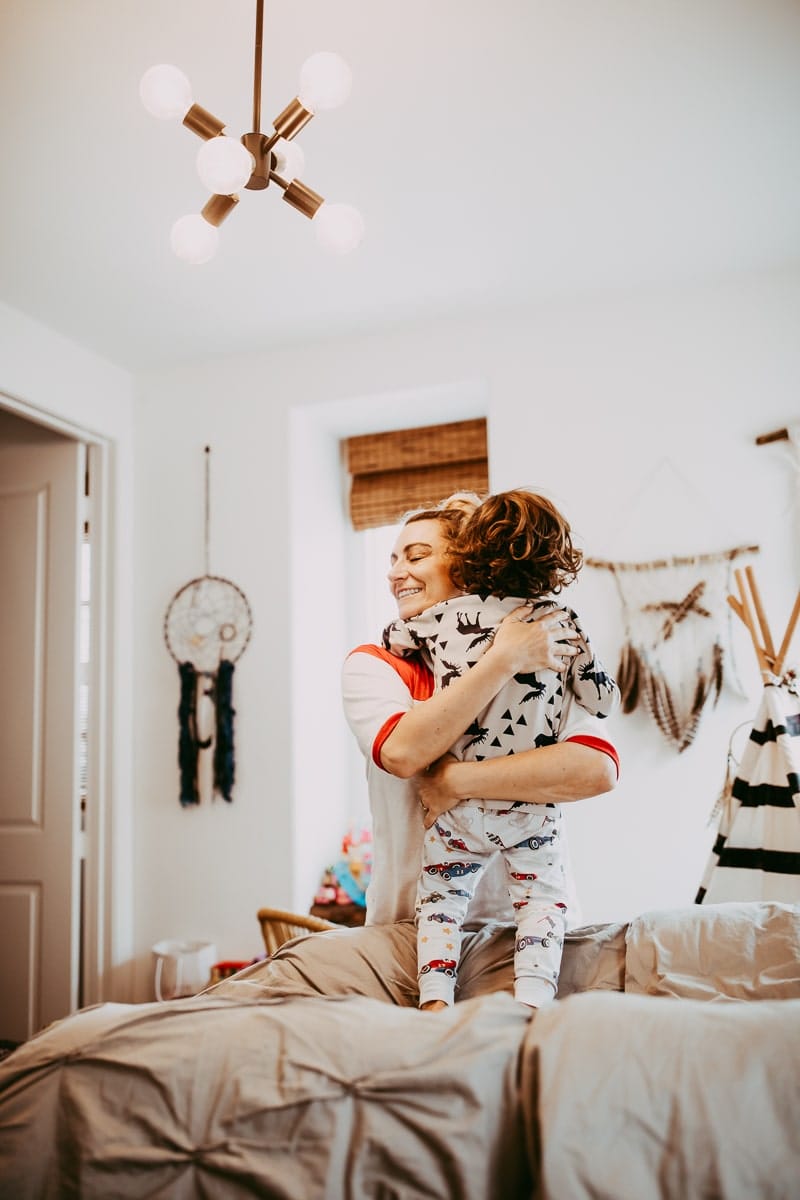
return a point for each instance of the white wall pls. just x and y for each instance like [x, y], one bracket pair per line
[46, 376]
[638, 414]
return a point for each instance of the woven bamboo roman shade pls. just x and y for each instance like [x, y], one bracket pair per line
[394, 472]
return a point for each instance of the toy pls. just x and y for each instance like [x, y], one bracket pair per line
[346, 881]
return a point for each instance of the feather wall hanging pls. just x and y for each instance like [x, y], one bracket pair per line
[206, 628]
[673, 658]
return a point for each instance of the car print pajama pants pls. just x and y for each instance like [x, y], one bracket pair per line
[456, 851]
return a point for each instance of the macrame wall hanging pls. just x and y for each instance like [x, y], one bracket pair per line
[675, 616]
[207, 627]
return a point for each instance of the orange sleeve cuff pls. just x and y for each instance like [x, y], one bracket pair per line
[597, 743]
[381, 737]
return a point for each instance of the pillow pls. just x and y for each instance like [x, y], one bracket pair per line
[593, 960]
[730, 951]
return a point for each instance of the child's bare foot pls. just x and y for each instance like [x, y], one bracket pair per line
[432, 1006]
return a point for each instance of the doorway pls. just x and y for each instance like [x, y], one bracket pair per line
[51, 722]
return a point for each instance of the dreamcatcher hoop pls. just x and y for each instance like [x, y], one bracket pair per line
[208, 620]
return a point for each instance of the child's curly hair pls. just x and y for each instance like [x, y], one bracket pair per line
[515, 544]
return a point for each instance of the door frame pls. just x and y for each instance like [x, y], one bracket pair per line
[100, 949]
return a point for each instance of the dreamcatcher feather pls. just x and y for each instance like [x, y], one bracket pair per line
[673, 657]
[223, 750]
[206, 628]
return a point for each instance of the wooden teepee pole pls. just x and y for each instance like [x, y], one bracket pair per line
[762, 619]
[742, 609]
[756, 622]
[787, 637]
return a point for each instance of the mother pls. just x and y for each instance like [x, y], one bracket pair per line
[403, 728]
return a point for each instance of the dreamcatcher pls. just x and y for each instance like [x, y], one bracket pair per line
[206, 627]
[672, 659]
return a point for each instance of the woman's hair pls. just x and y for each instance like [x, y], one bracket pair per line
[450, 519]
[451, 514]
[514, 544]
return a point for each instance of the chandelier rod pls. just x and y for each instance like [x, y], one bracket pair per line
[257, 67]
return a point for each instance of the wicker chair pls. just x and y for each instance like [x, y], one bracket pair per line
[278, 926]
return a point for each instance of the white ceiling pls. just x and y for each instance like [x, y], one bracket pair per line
[502, 154]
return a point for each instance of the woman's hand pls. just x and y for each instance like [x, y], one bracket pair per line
[434, 795]
[520, 647]
[543, 644]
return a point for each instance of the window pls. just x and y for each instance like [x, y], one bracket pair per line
[390, 474]
[393, 472]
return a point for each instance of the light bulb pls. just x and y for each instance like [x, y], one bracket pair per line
[325, 81]
[165, 92]
[289, 159]
[224, 165]
[193, 239]
[339, 227]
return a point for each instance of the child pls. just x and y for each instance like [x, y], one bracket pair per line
[514, 547]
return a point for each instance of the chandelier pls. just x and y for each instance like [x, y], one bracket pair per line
[227, 164]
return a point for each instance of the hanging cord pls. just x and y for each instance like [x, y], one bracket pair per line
[207, 527]
[223, 748]
[726, 792]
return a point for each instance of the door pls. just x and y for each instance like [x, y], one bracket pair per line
[41, 490]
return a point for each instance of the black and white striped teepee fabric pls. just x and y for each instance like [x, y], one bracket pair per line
[756, 855]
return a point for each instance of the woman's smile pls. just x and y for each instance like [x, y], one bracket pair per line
[420, 574]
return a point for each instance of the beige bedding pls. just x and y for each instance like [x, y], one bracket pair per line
[313, 1075]
[300, 1099]
[636, 1098]
[727, 951]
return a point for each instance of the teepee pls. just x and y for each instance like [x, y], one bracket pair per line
[756, 855]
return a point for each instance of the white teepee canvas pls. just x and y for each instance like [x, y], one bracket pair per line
[756, 855]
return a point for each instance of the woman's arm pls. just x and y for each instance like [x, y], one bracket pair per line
[429, 729]
[567, 771]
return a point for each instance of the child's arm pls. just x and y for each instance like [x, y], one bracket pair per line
[399, 638]
[593, 687]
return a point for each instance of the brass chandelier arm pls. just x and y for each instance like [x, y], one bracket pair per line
[200, 121]
[217, 208]
[289, 123]
[299, 196]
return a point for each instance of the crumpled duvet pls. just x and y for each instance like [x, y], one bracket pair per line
[640, 1098]
[300, 1098]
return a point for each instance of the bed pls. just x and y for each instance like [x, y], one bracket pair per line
[669, 1067]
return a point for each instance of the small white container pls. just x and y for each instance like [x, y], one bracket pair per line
[182, 968]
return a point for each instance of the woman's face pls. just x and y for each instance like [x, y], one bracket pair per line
[419, 575]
